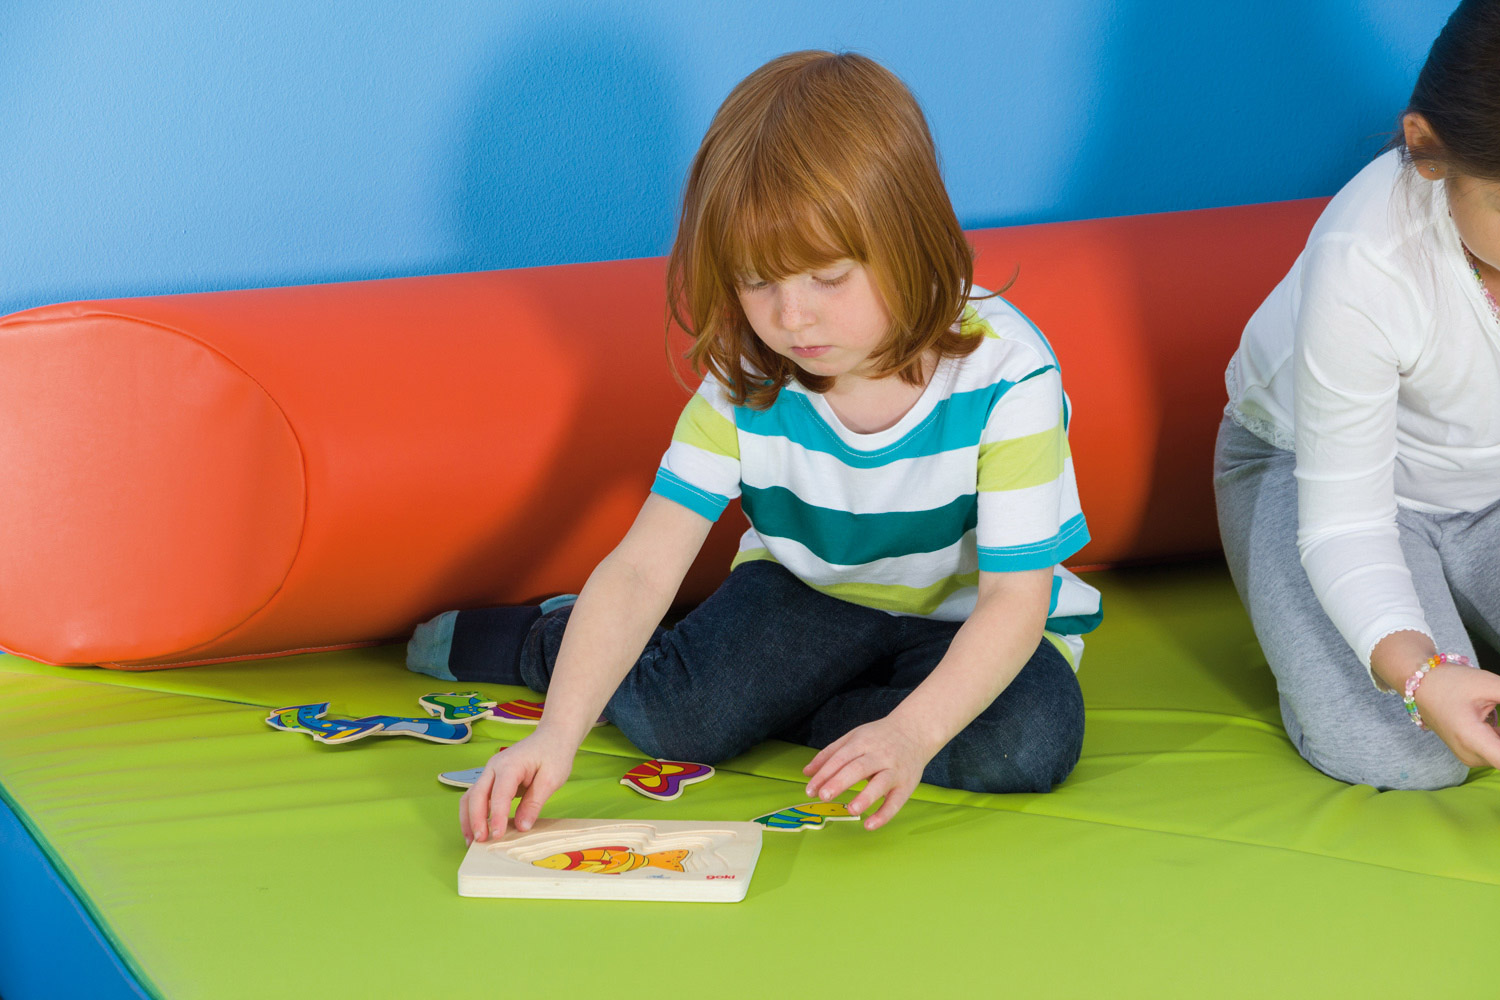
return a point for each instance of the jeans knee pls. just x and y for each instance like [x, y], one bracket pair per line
[681, 739]
[1033, 768]
[1000, 758]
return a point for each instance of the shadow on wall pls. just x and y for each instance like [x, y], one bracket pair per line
[579, 128]
[576, 129]
[1280, 99]
[1341, 88]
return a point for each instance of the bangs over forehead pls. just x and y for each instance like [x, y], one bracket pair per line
[772, 226]
[795, 156]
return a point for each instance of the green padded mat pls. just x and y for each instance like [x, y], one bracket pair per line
[1192, 852]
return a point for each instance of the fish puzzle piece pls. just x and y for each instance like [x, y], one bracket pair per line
[432, 730]
[807, 816]
[464, 778]
[461, 779]
[310, 719]
[526, 713]
[612, 860]
[457, 706]
[664, 780]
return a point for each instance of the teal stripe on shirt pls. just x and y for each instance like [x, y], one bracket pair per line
[837, 536]
[1075, 624]
[955, 422]
[679, 490]
[1072, 536]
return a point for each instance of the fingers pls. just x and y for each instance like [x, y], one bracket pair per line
[817, 787]
[1486, 691]
[530, 808]
[822, 757]
[830, 760]
[846, 777]
[485, 807]
[1470, 734]
[1482, 741]
[877, 786]
[474, 807]
[869, 754]
[894, 800]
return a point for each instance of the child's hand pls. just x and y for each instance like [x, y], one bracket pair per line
[1458, 703]
[537, 766]
[883, 753]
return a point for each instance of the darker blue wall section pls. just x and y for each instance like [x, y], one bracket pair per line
[184, 146]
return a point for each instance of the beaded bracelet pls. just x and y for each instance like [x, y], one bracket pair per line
[1415, 681]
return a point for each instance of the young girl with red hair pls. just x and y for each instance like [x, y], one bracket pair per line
[898, 442]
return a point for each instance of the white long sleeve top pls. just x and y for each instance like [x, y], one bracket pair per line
[1378, 361]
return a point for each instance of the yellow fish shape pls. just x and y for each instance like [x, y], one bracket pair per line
[612, 860]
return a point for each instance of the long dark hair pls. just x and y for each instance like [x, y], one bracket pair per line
[1458, 92]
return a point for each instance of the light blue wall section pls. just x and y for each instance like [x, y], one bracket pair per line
[175, 146]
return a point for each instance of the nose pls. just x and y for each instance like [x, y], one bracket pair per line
[791, 309]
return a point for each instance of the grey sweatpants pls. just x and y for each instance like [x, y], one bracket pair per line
[1335, 717]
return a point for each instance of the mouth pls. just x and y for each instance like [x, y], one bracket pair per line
[811, 352]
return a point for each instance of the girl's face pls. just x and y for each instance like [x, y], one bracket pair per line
[1475, 206]
[828, 321]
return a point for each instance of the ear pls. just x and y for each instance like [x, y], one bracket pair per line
[1421, 138]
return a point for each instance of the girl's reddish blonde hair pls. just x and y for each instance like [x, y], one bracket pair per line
[815, 158]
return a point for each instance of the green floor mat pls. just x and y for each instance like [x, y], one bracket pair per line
[1192, 853]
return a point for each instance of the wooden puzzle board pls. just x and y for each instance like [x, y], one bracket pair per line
[636, 858]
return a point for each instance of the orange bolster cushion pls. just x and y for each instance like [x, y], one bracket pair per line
[194, 478]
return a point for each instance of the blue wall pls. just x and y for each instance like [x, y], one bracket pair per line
[179, 146]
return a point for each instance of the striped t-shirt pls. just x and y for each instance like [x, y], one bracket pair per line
[976, 476]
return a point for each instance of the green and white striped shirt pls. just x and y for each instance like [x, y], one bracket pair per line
[976, 476]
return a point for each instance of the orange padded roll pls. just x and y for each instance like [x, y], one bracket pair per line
[236, 474]
[200, 477]
[154, 492]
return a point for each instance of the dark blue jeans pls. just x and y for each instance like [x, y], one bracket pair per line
[766, 655]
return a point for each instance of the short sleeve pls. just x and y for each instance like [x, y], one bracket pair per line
[701, 468]
[1029, 516]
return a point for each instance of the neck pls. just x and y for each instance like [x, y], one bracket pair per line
[1489, 275]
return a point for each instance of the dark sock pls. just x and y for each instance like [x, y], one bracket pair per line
[487, 643]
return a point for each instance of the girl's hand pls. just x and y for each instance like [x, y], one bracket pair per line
[1458, 704]
[883, 753]
[537, 766]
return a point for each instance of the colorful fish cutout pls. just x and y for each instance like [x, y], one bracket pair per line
[457, 706]
[461, 779]
[807, 816]
[664, 780]
[464, 778]
[525, 713]
[310, 719]
[612, 860]
[432, 730]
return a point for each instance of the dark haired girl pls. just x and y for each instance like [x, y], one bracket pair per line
[1358, 466]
